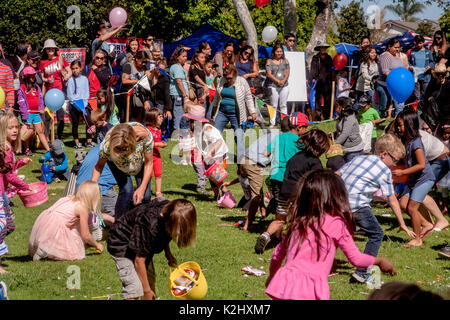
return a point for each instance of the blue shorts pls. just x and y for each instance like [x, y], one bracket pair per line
[34, 118]
[418, 193]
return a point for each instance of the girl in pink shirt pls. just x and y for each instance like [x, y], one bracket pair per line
[320, 221]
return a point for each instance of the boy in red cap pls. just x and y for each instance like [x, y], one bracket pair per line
[282, 148]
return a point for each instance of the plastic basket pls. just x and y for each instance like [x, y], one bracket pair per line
[227, 200]
[217, 172]
[200, 288]
[36, 196]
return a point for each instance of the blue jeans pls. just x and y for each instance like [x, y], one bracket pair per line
[179, 121]
[386, 100]
[222, 120]
[440, 168]
[126, 190]
[208, 109]
[368, 223]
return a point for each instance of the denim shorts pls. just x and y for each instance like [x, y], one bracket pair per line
[34, 118]
[418, 193]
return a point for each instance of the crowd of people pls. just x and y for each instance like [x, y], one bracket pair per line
[127, 123]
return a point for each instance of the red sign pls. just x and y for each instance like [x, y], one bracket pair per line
[73, 54]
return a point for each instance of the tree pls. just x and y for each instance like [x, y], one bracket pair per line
[247, 23]
[444, 23]
[406, 9]
[290, 17]
[425, 28]
[352, 23]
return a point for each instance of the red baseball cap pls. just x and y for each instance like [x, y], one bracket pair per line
[28, 70]
[299, 119]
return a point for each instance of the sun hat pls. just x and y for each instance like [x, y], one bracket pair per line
[49, 43]
[299, 119]
[364, 100]
[196, 112]
[28, 70]
[320, 44]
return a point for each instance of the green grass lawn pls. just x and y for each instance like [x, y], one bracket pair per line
[222, 249]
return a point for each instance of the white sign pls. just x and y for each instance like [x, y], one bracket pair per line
[297, 76]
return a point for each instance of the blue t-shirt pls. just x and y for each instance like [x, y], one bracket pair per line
[177, 72]
[104, 46]
[416, 179]
[228, 102]
[106, 180]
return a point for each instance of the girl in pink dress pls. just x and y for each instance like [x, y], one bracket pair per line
[60, 232]
[320, 220]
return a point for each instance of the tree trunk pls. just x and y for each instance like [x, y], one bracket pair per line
[290, 18]
[247, 24]
[321, 27]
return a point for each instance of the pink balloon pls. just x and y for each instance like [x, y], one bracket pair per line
[117, 17]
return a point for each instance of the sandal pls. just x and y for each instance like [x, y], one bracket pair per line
[28, 153]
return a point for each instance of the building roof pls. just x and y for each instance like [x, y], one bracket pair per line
[413, 26]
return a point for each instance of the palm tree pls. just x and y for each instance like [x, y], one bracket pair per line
[406, 9]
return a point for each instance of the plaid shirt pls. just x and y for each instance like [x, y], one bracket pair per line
[363, 176]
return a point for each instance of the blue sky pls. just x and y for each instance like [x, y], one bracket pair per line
[431, 12]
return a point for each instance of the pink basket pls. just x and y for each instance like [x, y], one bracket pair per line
[216, 172]
[36, 196]
[25, 133]
[227, 200]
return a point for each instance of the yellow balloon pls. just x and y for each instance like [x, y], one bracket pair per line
[332, 51]
[2, 97]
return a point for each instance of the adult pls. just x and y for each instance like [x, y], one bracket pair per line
[55, 71]
[438, 92]
[246, 64]
[97, 73]
[147, 45]
[225, 57]
[128, 151]
[439, 46]
[104, 33]
[389, 60]
[33, 61]
[197, 77]
[358, 55]
[321, 74]
[19, 61]
[277, 73]
[368, 73]
[289, 42]
[161, 92]
[7, 84]
[179, 88]
[421, 62]
[106, 182]
[132, 48]
[154, 56]
[132, 72]
[234, 104]
[205, 48]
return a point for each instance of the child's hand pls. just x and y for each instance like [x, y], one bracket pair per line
[226, 184]
[27, 160]
[99, 247]
[386, 266]
[163, 144]
[398, 172]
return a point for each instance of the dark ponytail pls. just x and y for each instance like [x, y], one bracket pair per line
[75, 62]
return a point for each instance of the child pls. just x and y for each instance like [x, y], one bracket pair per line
[320, 222]
[57, 161]
[245, 201]
[421, 177]
[9, 144]
[98, 118]
[143, 232]
[105, 100]
[78, 95]
[153, 120]
[369, 114]
[282, 148]
[343, 87]
[347, 129]
[31, 104]
[211, 83]
[61, 232]
[363, 176]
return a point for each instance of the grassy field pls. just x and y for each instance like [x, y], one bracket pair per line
[222, 250]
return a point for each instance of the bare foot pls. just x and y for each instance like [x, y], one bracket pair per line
[3, 271]
[414, 243]
[426, 230]
[441, 225]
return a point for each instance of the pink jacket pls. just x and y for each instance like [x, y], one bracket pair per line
[11, 177]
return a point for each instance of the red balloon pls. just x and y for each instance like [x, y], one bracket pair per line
[340, 61]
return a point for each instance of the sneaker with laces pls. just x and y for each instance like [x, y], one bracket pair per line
[445, 252]
[3, 291]
[358, 278]
[78, 146]
[90, 145]
[261, 243]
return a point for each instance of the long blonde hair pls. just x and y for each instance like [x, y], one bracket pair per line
[122, 135]
[88, 193]
[4, 143]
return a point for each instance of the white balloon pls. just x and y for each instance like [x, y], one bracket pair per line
[269, 34]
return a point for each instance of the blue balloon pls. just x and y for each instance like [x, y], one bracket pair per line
[400, 84]
[54, 99]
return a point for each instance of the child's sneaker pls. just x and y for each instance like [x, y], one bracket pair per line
[56, 179]
[261, 243]
[3, 291]
[39, 255]
[78, 146]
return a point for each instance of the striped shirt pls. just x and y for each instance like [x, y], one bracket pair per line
[388, 63]
[7, 84]
[363, 176]
[3, 230]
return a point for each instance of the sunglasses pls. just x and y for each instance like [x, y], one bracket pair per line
[247, 53]
[291, 40]
[438, 38]
[150, 39]
[100, 58]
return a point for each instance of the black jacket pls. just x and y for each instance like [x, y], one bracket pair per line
[321, 69]
[103, 74]
[161, 93]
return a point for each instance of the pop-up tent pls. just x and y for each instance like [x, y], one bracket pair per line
[215, 39]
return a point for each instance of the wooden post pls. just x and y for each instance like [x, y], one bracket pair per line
[332, 100]
[53, 126]
[127, 116]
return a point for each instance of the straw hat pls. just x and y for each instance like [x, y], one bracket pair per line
[196, 112]
[49, 43]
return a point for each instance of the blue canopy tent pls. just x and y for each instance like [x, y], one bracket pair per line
[215, 39]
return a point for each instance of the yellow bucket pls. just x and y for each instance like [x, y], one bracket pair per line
[200, 288]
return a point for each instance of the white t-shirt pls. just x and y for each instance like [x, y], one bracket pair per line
[433, 146]
[207, 139]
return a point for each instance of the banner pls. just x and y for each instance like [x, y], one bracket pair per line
[119, 45]
[271, 111]
[72, 54]
[297, 76]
